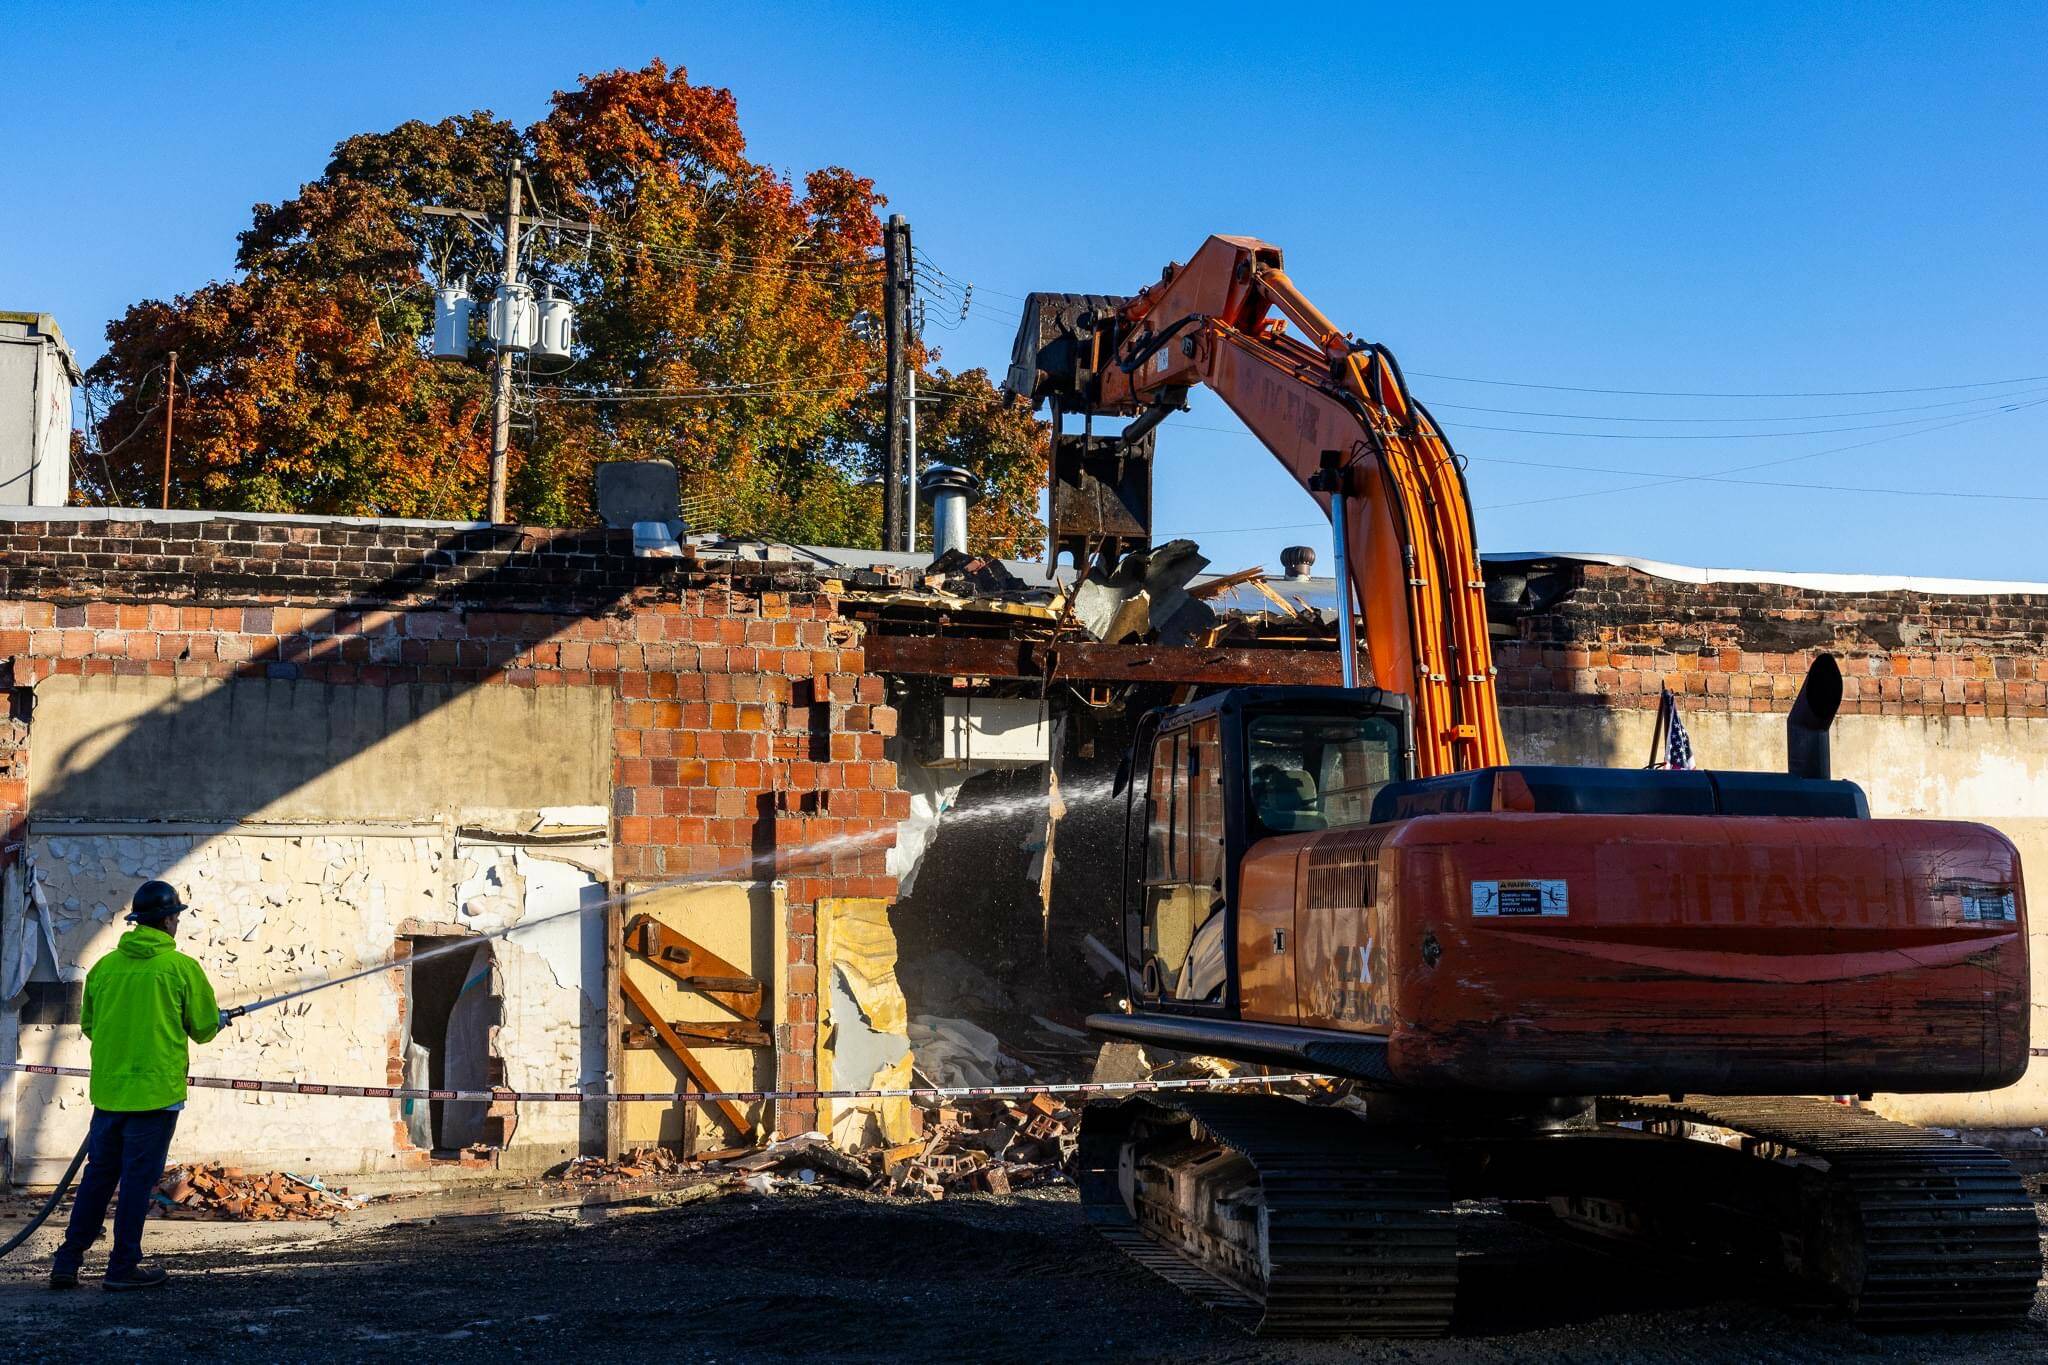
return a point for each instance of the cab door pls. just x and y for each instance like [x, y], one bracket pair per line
[1181, 926]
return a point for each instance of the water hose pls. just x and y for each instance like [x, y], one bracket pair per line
[42, 1215]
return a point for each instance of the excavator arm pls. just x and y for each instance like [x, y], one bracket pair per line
[1337, 413]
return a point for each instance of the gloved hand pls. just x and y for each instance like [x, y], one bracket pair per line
[229, 1016]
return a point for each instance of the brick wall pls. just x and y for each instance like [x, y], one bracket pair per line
[745, 723]
[1616, 635]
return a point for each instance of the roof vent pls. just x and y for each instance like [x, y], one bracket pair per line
[950, 490]
[1297, 560]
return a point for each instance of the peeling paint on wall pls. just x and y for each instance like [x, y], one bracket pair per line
[279, 906]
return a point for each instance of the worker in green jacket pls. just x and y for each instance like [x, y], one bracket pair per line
[142, 1002]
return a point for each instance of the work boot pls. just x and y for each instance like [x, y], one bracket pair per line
[61, 1278]
[142, 1277]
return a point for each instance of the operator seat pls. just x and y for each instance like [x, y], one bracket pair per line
[1287, 800]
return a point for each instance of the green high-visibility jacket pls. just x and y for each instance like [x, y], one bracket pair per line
[142, 1001]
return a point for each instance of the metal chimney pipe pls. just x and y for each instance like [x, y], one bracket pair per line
[1806, 725]
[1331, 479]
[950, 490]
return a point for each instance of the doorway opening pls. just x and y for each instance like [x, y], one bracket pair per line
[453, 1011]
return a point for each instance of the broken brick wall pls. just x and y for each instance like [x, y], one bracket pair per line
[744, 725]
[1611, 636]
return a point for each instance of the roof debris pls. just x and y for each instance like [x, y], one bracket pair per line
[1156, 596]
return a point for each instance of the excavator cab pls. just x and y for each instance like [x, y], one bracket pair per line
[1294, 895]
[1208, 780]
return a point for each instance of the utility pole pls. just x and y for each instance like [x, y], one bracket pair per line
[501, 372]
[170, 416]
[898, 293]
[910, 470]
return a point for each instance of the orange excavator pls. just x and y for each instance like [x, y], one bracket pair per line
[1602, 997]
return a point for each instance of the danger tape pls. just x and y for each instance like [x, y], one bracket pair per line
[935, 1092]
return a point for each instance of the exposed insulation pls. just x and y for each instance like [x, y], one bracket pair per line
[863, 1036]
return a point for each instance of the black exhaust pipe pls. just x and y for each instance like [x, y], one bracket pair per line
[1806, 727]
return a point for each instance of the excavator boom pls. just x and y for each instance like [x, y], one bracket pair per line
[1336, 412]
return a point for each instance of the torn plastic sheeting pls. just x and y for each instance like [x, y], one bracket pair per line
[472, 1042]
[957, 1052]
[1043, 858]
[933, 792]
[25, 928]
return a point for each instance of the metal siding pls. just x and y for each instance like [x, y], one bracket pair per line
[18, 364]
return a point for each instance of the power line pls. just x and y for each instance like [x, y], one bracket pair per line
[1684, 393]
[1775, 483]
[1761, 464]
[1719, 476]
[689, 396]
[1708, 435]
[753, 267]
[1753, 417]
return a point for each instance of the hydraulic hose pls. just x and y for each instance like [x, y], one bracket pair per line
[42, 1215]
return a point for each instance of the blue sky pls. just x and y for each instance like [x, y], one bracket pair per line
[1842, 200]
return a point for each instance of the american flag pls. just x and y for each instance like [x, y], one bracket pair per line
[1677, 744]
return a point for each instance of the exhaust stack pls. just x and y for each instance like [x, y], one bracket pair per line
[1806, 726]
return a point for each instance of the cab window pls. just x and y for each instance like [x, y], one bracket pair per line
[1318, 771]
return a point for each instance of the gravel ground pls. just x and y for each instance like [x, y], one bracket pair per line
[826, 1275]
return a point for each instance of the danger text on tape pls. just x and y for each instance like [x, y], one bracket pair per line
[941, 1092]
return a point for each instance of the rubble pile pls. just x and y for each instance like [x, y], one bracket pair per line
[642, 1163]
[210, 1191]
[993, 1146]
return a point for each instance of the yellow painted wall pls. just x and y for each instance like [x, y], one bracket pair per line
[743, 922]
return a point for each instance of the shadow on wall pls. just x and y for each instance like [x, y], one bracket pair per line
[288, 730]
[144, 771]
[1596, 736]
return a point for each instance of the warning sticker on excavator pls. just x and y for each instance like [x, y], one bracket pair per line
[1994, 906]
[1548, 899]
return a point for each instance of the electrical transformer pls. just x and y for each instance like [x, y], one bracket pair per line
[514, 317]
[557, 326]
[452, 309]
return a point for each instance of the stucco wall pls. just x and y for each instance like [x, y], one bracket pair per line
[129, 748]
[311, 826]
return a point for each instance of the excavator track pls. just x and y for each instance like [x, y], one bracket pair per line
[1292, 1220]
[1914, 1230]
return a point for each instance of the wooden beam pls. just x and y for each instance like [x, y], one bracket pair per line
[1216, 587]
[693, 966]
[1089, 661]
[675, 1044]
[710, 1033]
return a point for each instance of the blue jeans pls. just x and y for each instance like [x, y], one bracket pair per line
[125, 1151]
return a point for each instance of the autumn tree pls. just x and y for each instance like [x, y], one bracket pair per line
[727, 322]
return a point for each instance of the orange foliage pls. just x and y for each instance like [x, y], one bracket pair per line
[304, 383]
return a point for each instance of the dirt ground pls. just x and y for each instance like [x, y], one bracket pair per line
[827, 1275]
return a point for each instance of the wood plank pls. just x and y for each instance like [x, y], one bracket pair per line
[1090, 661]
[675, 1044]
[710, 1033]
[693, 966]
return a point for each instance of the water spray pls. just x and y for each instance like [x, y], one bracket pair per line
[1081, 794]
